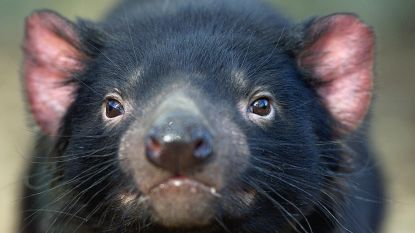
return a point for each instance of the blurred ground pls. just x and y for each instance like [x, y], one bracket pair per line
[394, 113]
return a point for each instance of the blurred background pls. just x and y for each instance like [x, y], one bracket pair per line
[393, 125]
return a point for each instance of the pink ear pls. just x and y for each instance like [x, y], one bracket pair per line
[51, 57]
[339, 54]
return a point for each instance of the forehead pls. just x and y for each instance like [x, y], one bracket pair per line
[194, 59]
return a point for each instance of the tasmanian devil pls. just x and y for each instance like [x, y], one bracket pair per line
[199, 116]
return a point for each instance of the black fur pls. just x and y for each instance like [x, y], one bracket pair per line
[307, 179]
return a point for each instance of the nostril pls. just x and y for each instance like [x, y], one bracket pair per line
[202, 148]
[153, 148]
[154, 144]
[199, 143]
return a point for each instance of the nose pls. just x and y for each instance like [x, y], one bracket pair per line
[178, 142]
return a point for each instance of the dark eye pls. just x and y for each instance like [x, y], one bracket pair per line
[261, 107]
[113, 108]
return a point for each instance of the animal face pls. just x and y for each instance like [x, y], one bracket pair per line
[198, 141]
[196, 125]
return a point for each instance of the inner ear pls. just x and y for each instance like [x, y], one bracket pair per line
[338, 53]
[52, 56]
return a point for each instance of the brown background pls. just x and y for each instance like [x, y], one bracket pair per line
[394, 112]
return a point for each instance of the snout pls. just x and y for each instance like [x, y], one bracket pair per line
[182, 162]
[179, 151]
[179, 142]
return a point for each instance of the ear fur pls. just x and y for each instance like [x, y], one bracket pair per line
[338, 51]
[52, 55]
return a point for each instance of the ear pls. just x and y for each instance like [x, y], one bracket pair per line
[338, 53]
[52, 55]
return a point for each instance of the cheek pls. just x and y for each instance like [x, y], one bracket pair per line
[92, 146]
[285, 157]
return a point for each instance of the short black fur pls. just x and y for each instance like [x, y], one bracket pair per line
[146, 49]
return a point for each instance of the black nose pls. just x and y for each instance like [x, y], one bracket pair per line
[178, 143]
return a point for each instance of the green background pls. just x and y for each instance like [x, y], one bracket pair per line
[394, 111]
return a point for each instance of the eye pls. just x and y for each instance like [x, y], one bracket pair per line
[261, 107]
[113, 108]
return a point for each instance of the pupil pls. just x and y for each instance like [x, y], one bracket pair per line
[114, 108]
[261, 107]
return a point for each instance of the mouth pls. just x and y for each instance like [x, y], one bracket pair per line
[183, 202]
[174, 184]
